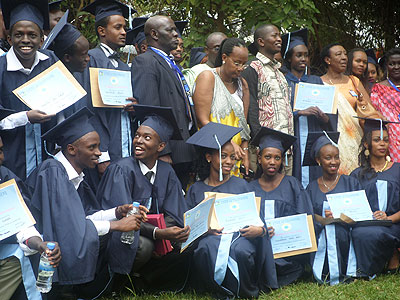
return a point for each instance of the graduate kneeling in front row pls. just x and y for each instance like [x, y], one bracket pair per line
[286, 193]
[249, 249]
[66, 211]
[153, 183]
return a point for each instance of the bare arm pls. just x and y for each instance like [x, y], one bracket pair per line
[246, 97]
[202, 97]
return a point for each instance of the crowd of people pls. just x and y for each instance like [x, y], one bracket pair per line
[226, 124]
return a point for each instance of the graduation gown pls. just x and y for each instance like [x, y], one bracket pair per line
[23, 148]
[124, 183]
[290, 199]
[253, 256]
[60, 216]
[336, 236]
[374, 245]
[302, 126]
[9, 247]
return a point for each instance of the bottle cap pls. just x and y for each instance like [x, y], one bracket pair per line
[136, 204]
[51, 246]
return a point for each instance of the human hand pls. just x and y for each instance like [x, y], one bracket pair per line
[271, 231]
[380, 215]
[310, 111]
[38, 116]
[328, 214]
[322, 116]
[122, 210]
[215, 231]
[251, 231]
[54, 256]
[246, 163]
[167, 158]
[143, 212]
[126, 224]
[129, 107]
[174, 233]
[239, 152]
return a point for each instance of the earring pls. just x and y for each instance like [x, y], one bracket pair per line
[366, 153]
[223, 62]
[388, 158]
[208, 161]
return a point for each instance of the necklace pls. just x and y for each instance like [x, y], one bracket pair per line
[341, 76]
[384, 167]
[330, 186]
[220, 76]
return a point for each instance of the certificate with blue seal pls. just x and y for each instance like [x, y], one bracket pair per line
[14, 214]
[308, 94]
[354, 205]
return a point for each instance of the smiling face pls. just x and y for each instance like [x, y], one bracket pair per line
[270, 160]
[228, 159]
[328, 158]
[299, 59]
[271, 41]
[26, 38]
[337, 59]
[114, 34]
[147, 145]
[86, 150]
[360, 63]
[178, 52]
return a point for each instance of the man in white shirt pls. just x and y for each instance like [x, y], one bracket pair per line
[66, 210]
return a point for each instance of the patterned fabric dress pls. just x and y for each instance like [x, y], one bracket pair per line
[386, 100]
[226, 109]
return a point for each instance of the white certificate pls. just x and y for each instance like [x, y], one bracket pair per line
[14, 214]
[51, 91]
[308, 94]
[198, 218]
[355, 205]
[291, 233]
[115, 86]
[235, 212]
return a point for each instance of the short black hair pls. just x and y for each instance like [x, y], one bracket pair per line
[325, 52]
[393, 51]
[227, 46]
[260, 32]
[103, 23]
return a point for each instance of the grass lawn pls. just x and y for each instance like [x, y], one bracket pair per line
[381, 288]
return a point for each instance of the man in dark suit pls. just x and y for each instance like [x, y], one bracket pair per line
[157, 81]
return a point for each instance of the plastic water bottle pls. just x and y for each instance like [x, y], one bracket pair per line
[128, 237]
[46, 271]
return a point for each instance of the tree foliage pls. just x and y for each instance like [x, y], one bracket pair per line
[362, 23]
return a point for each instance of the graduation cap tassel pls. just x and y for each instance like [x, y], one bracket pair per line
[220, 157]
[332, 142]
[380, 120]
[45, 149]
[287, 46]
[286, 159]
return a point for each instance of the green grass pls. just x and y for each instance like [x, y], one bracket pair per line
[382, 288]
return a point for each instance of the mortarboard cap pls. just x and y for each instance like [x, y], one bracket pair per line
[371, 56]
[196, 56]
[205, 136]
[180, 26]
[375, 124]
[214, 136]
[135, 35]
[63, 34]
[161, 119]
[36, 11]
[55, 5]
[71, 129]
[105, 8]
[269, 138]
[293, 39]
[315, 141]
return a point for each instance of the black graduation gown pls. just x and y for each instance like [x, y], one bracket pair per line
[60, 216]
[254, 256]
[290, 199]
[340, 233]
[16, 140]
[374, 245]
[302, 126]
[124, 183]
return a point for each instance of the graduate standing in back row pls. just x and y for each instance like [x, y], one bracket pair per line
[26, 21]
[112, 124]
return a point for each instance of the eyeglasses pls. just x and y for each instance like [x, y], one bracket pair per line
[237, 65]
